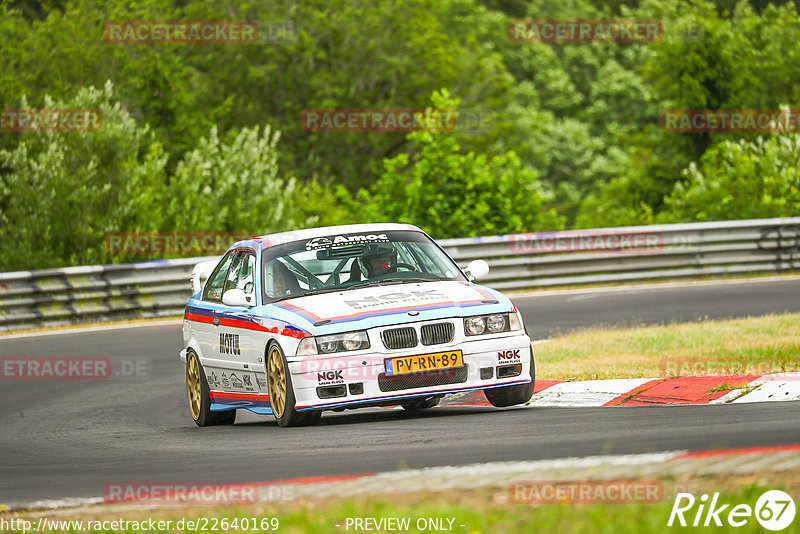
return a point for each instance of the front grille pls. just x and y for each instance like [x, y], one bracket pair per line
[423, 379]
[436, 334]
[399, 338]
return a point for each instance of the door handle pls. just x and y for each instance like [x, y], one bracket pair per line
[216, 321]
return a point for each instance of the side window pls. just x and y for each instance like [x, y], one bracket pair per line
[241, 273]
[215, 283]
[279, 280]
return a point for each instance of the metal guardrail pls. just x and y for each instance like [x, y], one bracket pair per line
[636, 253]
[161, 288]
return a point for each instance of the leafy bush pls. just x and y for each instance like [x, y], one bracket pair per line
[451, 194]
[740, 180]
[60, 192]
[233, 186]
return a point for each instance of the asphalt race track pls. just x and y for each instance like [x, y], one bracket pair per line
[61, 439]
[548, 315]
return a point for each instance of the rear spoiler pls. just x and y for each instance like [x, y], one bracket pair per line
[200, 274]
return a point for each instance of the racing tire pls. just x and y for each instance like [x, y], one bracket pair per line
[197, 391]
[281, 392]
[512, 395]
[419, 404]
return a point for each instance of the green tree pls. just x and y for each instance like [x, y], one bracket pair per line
[454, 194]
[66, 50]
[740, 180]
[60, 192]
[233, 186]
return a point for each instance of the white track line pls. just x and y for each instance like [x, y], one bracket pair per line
[84, 330]
[648, 287]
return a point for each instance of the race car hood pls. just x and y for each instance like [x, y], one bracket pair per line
[393, 304]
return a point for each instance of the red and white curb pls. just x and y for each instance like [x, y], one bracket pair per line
[654, 391]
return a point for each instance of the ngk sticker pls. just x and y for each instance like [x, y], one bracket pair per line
[508, 356]
[331, 376]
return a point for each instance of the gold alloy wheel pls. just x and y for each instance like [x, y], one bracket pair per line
[277, 382]
[193, 385]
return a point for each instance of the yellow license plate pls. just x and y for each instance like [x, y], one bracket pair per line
[425, 362]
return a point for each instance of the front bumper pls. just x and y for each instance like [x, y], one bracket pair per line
[364, 380]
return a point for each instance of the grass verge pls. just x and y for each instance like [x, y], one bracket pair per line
[754, 345]
[487, 510]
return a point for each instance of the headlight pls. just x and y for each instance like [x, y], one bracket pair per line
[327, 344]
[496, 323]
[474, 326]
[333, 343]
[486, 324]
[354, 340]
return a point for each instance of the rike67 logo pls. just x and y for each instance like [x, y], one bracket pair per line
[774, 510]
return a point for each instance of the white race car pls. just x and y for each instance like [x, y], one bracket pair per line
[296, 323]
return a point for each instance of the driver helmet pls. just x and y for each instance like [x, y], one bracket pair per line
[378, 262]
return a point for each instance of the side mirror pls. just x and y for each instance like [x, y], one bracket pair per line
[200, 274]
[476, 269]
[236, 297]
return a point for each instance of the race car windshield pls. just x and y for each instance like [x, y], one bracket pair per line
[340, 262]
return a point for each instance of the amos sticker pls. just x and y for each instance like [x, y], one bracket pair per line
[341, 240]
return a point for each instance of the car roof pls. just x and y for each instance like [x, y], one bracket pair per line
[270, 240]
